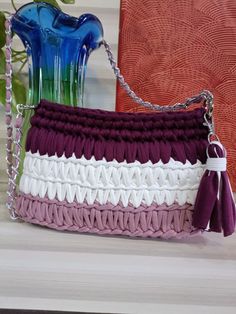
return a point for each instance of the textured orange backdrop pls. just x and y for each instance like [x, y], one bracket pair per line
[172, 49]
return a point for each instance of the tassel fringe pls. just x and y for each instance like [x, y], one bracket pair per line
[214, 205]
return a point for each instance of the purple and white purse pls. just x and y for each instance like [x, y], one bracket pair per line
[160, 174]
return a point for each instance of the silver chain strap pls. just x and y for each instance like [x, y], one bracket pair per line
[204, 95]
[11, 157]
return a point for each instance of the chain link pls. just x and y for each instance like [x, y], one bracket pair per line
[204, 95]
[15, 166]
[10, 156]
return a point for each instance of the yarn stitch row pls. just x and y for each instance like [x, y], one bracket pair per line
[94, 134]
[78, 114]
[90, 182]
[102, 174]
[53, 142]
[176, 222]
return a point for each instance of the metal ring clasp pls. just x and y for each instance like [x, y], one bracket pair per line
[209, 102]
[19, 108]
[212, 136]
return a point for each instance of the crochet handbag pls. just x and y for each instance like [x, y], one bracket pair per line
[160, 174]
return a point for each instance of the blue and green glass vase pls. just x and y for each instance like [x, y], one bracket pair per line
[58, 48]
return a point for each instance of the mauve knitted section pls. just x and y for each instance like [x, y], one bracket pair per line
[58, 129]
[146, 221]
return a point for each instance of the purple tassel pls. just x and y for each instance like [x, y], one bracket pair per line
[214, 205]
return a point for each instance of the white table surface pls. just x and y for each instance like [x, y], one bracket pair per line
[46, 269]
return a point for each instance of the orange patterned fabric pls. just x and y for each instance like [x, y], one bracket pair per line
[170, 50]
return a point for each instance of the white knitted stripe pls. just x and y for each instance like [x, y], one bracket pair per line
[90, 180]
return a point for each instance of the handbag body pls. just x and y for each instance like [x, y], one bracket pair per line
[97, 171]
[156, 174]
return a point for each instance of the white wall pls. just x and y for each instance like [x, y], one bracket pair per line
[100, 86]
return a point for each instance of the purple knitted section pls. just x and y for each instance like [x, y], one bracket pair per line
[146, 221]
[58, 130]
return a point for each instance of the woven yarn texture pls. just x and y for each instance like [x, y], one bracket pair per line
[113, 173]
[170, 50]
